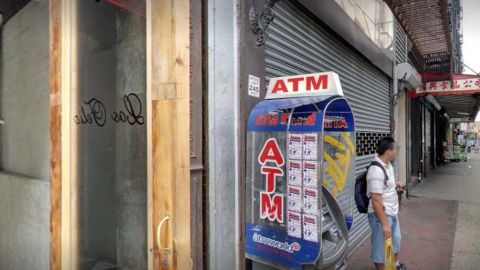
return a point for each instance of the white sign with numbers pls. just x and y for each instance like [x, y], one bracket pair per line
[253, 86]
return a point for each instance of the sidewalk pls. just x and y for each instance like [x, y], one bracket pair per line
[461, 182]
[440, 222]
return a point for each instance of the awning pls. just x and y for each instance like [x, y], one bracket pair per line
[461, 108]
[458, 95]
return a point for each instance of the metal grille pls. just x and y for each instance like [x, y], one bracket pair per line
[400, 44]
[367, 142]
[299, 44]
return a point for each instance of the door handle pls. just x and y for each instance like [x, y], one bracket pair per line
[159, 232]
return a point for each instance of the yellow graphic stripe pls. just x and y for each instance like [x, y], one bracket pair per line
[347, 163]
[341, 158]
[335, 171]
[334, 142]
[326, 183]
[332, 163]
[342, 161]
[349, 142]
[333, 174]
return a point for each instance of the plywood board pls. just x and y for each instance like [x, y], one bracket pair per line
[55, 136]
[168, 73]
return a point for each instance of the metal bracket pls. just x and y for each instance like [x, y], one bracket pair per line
[260, 22]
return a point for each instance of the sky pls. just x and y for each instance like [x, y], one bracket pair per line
[471, 36]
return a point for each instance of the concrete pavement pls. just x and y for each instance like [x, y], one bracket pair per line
[455, 181]
[440, 223]
[461, 182]
[428, 229]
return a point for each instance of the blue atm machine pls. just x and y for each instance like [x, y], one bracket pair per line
[300, 174]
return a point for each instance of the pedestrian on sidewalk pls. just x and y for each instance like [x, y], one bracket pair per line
[383, 210]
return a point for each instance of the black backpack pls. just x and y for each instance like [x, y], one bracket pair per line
[361, 198]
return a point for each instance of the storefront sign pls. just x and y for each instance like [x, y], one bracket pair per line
[453, 87]
[301, 121]
[285, 232]
[315, 84]
[94, 112]
[271, 204]
[294, 145]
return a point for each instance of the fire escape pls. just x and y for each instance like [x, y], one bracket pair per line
[435, 29]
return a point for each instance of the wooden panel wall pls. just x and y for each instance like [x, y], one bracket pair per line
[55, 136]
[168, 80]
[168, 94]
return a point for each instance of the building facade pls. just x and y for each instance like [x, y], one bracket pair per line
[123, 123]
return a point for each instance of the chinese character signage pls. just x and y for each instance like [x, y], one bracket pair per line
[452, 87]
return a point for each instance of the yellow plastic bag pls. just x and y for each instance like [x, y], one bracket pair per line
[389, 255]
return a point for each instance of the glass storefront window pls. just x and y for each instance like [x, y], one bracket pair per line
[110, 135]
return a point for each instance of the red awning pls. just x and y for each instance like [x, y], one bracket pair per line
[457, 94]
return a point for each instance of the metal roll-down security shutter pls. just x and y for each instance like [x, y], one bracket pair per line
[299, 44]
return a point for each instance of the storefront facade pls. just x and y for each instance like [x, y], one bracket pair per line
[148, 104]
[102, 135]
[299, 40]
[298, 44]
[126, 157]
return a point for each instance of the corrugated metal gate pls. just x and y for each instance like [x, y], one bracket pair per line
[428, 140]
[416, 136]
[299, 44]
[401, 40]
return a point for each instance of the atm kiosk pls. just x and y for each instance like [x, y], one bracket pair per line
[300, 174]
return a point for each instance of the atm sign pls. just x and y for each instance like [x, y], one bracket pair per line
[312, 83]
[271, 202]
[315, 84]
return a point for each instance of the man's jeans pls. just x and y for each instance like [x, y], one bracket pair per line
[378, 241]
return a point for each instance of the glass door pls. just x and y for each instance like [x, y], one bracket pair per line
[109, 135]
[120, 134]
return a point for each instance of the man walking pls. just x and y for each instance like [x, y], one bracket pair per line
[383, 208]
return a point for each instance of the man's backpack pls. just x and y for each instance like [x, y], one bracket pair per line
[361, 198]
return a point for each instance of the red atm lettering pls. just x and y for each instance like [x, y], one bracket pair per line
[270, 177]
[271, 207]
[313, 84]
[273, 120]
[295, 82]
[310, 83]
[279, 86]
[271, 152]
[341, 123]
[271, 204]
[284, 117]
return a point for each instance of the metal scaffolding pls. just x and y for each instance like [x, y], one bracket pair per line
[435, 29]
